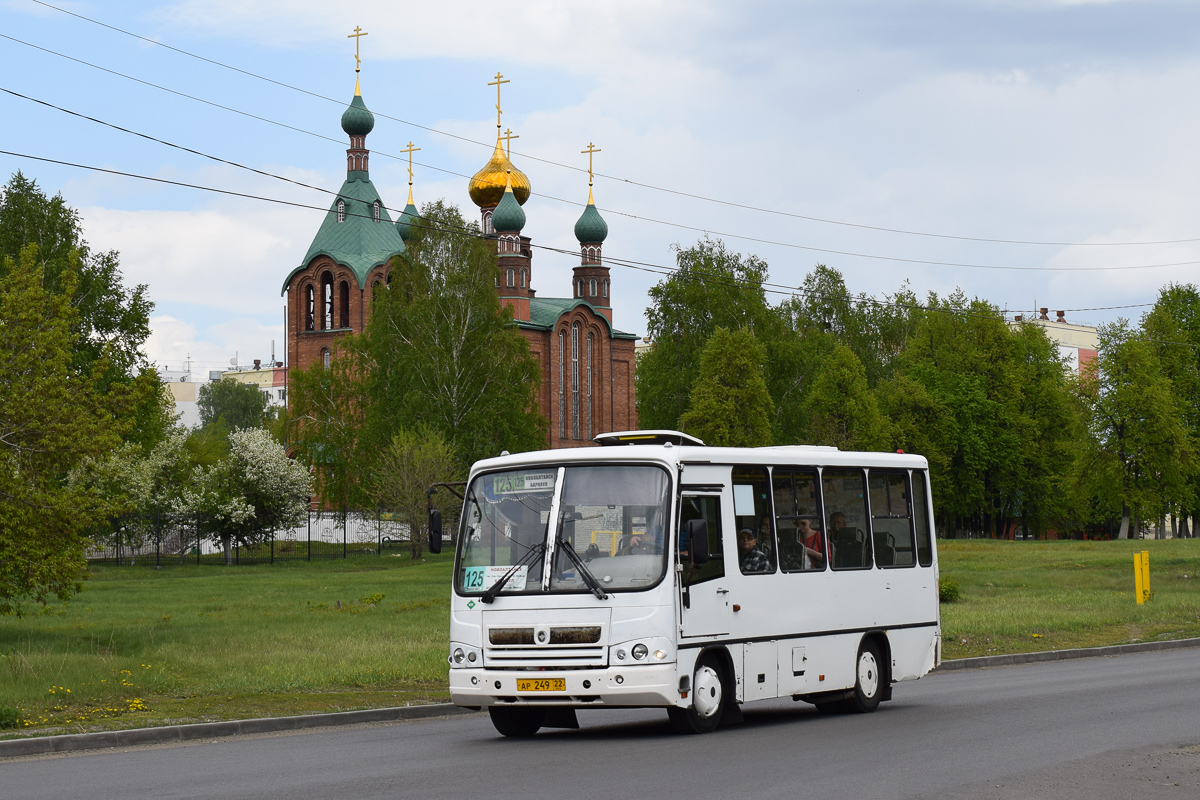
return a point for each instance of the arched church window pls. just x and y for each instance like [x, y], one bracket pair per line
[375, 211]
[592, 287]
[327, 301]
[524, 278]
[562, 417]
[310, 307]
[589, 386]
[510, 278]
[579, 288]
[604, 288]
[341, 211]
[344, 305]
[575, 381]
[325, 357]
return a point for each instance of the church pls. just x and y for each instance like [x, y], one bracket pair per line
[587, 365]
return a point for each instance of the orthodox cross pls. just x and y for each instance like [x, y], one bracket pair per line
[410, 150]
[357, 37]
[499, 80]
[508, 137]
[591, 148]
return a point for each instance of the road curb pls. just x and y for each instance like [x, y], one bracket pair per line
[73, 742]
[983, 662]
[66, 743]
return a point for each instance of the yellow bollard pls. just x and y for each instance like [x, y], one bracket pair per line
[1146, 573]
[1137, 578]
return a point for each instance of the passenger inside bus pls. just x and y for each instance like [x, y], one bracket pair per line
[812, 543]
[752, 559]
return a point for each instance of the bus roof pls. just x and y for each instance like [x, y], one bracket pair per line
[669, 453]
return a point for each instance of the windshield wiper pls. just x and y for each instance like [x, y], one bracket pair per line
[586, 573]
[490, 595]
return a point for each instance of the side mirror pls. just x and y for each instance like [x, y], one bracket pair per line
[435, 530]
[697, 533]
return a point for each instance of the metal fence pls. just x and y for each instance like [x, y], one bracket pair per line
[157, 539]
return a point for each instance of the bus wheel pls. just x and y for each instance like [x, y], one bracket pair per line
[708, 700]
[868, 685]
[517, 721]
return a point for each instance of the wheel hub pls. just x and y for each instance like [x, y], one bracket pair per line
[868, 673]
[707, 695]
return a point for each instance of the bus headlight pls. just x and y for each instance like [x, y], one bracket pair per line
[459, 655]
[640, 651]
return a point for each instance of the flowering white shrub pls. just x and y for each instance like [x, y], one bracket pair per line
[250, 493]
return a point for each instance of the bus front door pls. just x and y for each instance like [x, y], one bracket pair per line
[704, 597]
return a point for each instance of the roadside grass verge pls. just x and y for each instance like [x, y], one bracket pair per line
[1020, 597]
[189, 643]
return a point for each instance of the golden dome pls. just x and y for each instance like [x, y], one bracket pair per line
[487, 187]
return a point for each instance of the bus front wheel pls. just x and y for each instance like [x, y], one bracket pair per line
[517, 721]
[869, 678]
[709, 697]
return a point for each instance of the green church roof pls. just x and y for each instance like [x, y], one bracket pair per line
[591, 227]
[545, 311]
[359, 242]
[406, 221]
[357, 119]
[508, 216]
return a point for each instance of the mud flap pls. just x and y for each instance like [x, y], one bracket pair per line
[732, 715]
[561, 717]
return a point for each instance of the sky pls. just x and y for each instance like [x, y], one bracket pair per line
[873, 136]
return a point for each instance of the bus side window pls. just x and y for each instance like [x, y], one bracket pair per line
[846, 518]
[709, 510]
[891, 519]
[921, 519]
[752, 511]
[798, 520]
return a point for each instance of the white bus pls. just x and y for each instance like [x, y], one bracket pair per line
[690, 578]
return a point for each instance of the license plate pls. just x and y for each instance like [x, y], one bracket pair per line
[543, 685]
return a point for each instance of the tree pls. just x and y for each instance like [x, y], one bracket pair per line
[1173, 329]
[326, 423]
[251, 493]
[413, 461]
[1001, 410]
[239, 405]
[139, 487]
[52, 418]
[730, 405]
[840, 410]
[440, 351]
[712, 287]
[111, 321]
[1138, 435]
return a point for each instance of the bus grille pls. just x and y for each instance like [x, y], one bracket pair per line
[567, 646]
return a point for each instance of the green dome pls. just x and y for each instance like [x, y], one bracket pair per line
[356, 119]
[508, 217]
[407, 221]
[591, 227]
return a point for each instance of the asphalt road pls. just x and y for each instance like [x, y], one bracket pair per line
[1091, 728]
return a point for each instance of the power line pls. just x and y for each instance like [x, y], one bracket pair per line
[627, 263]
[693, 228]
[627, 181]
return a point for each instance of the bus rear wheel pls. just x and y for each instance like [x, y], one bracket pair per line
[517, 721]
[709, 697]
[869, 678]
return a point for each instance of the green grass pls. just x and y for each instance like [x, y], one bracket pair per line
[141, 646]
[189, 643]
[1018, 597]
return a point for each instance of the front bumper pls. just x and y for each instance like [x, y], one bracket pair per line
[640, 685]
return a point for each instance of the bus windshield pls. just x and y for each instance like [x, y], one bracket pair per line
[612, 516]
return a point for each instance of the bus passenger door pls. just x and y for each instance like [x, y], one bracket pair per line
[704, 600]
